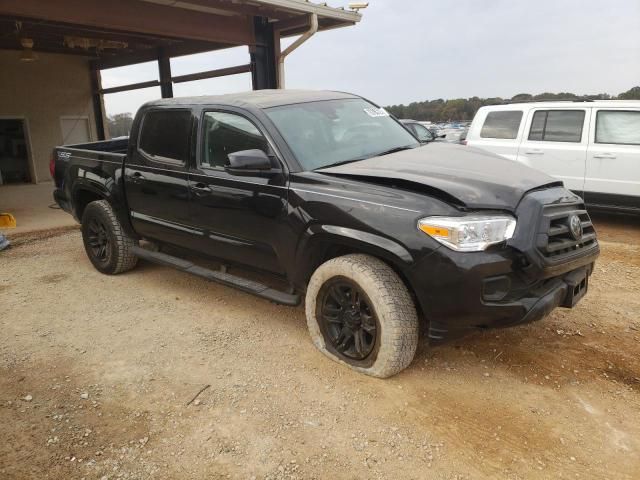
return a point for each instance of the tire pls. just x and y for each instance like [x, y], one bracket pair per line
[107, 245]
[382, 299]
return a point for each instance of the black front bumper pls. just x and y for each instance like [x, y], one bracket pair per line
[458, 304]
[506, 285]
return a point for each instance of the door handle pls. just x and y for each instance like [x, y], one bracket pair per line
[201, 189]
[604, 155]
[137, 177]
[534, 152]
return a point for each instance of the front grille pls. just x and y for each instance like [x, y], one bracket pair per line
[557, 240]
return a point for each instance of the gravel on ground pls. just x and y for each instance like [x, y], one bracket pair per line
[157, 374]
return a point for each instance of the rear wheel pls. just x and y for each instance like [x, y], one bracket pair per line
[107, 245]
[360, 313]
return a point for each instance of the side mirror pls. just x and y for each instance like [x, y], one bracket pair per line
[442, 136]
[247, 162]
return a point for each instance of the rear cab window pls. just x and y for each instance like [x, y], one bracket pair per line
[502, 125]
[557, 126]
[165, 136]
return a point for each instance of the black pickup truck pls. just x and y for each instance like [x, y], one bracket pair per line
[335, 200]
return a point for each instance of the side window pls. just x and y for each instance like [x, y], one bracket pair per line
[424, 135]
[503, 125]
[618, 127]
[226, 133]
[165, 135]
[557, 126]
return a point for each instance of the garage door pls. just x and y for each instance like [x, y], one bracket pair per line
[75, 130]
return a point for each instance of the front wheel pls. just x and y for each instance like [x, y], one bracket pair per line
[106, 243]
[360, 313]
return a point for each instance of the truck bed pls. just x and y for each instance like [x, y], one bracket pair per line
[115, 145]
[87, 171]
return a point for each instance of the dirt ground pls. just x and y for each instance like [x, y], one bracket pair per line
[97, 372]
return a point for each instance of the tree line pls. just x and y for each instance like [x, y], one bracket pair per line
[461, 109]
[120, 124]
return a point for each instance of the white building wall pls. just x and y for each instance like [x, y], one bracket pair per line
[42, 92]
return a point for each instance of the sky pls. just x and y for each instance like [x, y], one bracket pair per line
[413, 50]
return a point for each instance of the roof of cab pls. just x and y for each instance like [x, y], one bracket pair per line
[256, 98]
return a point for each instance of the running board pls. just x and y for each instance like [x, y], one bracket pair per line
[224, 278]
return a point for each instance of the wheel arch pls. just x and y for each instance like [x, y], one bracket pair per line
[324, 242]
[84, 193]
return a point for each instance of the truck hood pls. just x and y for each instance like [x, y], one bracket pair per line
[468, 176]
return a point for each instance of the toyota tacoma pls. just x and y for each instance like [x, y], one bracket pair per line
[338, 203]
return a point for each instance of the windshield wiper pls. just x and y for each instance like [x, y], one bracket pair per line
[393, 150]
[378, 154]
[343, 162]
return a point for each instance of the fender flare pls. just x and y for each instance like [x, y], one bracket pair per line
[318, 239]
[104, 193]
[79, 186]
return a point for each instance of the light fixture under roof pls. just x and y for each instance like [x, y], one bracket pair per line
[27, 55]
[97, 43]
[357, 6]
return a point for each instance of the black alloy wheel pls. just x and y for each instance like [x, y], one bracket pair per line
[98, 240]
[347, 320]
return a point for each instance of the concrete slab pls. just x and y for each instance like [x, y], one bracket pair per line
[32, 205]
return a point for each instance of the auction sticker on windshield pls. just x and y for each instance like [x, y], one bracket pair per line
[376, 112]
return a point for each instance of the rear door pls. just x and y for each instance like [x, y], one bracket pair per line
[613, 158]
[555, 142]
[241, 217]
[156, 178]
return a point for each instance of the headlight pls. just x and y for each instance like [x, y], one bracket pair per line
[469, 234]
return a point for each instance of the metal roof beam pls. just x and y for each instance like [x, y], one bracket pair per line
[136, 16]
[150, 55]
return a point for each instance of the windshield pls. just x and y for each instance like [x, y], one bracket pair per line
[331, 132]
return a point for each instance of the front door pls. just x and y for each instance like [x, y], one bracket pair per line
[613, 159]
[156, 178]
[555, 142]
[241, 217]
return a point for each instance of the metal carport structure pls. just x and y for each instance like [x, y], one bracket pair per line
[116, 33]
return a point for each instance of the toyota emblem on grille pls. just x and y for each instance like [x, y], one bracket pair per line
[575, 227]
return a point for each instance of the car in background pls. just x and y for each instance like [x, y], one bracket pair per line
[421, 132]
[432, 127]
[455, 135]
[593, 147]
[463, 136]
[452, 131]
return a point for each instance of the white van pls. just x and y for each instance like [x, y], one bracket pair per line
[593, 147]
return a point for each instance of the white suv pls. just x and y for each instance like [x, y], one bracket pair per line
[593, 147]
